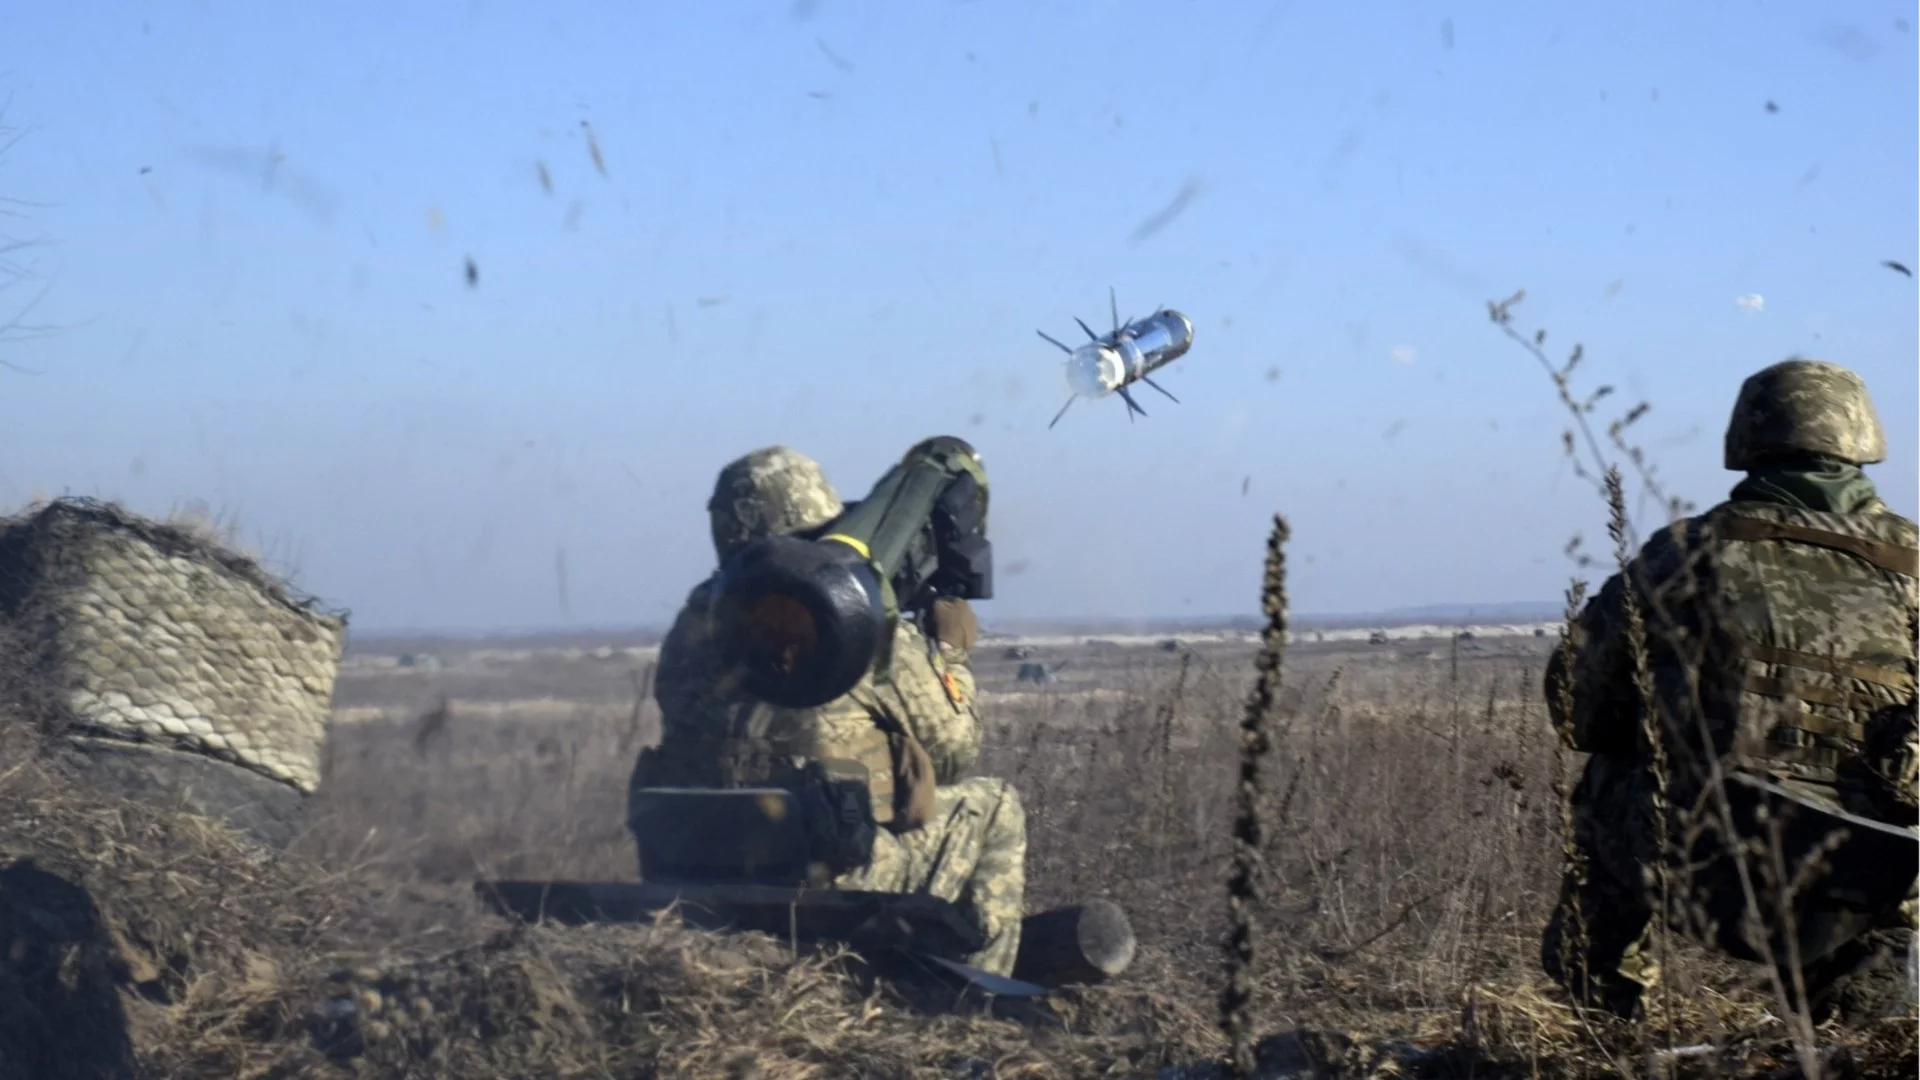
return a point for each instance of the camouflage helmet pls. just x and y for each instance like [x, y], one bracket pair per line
[1798, 408]
[771, 491]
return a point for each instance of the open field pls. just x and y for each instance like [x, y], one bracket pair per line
[1411, 856]
[1413, 849]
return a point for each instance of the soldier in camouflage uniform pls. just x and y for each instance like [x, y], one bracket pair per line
[960, 838]
[1784, 619]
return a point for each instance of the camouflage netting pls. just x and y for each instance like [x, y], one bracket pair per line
[149, 633]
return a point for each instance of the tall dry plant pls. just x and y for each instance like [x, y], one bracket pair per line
[1248, 832]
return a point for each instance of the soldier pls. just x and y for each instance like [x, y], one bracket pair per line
[1781, 622]
[961, 839]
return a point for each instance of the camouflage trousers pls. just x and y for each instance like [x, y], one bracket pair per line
[972, 853]
[1601, 945]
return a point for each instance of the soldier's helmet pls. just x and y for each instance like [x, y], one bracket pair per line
[774, 490]
[1798, 408]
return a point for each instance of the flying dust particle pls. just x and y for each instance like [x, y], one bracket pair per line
[1614, 287]
[1446, 33]
[1033, 107]
[1772, 108]
[435, 222]
[1899, 267]
[833, 58]
[473, 273]
[1273, 373]
[593, 148]
[1394, 429]
[711, 301]
[1246, 484]
[546, 178]
[1160, 219]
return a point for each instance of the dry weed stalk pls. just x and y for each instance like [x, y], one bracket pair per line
[1248, 835]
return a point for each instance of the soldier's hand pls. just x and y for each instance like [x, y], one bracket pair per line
[953, 623]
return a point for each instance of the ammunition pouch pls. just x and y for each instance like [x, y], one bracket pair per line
[914, 782]
[836, 809]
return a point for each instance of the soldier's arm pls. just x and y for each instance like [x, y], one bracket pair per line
[942, 710]
[683, 670]
[1603, 716]
[1589, 686]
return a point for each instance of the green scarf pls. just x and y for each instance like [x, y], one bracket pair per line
[1832, 487]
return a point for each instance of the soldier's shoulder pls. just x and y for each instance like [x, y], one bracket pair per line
[1874, 519]
[1903, 527]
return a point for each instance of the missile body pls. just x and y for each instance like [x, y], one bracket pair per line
[1130, 353]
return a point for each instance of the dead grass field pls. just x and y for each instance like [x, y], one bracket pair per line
[1413, 842]
[1412, 854]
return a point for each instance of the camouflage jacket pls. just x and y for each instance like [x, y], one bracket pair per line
[713, 733]
[1783, 618]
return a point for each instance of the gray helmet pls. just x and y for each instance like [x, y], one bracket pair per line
[770, 491]
[1798, 408]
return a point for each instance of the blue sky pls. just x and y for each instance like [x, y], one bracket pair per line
[837, 226]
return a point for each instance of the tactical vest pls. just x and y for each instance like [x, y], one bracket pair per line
[1808, 624]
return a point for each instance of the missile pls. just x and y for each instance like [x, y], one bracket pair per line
[1129, 353]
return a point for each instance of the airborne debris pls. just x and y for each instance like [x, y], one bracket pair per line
[546, 178]
[593, 148]
[1901, 267]
[1160, 219]
[1246, 484]
[473, 273]
[1772, 108]
[711, 301]
[1446, 33]
[1273, 373]
[837, 61]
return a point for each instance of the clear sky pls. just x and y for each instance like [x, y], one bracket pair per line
[837, 226]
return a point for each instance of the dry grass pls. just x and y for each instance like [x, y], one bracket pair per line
[1411, 856]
